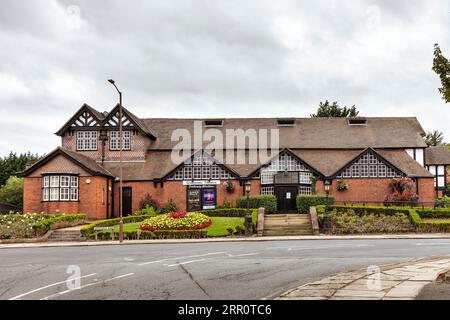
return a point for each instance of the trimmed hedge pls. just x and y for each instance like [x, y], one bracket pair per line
[305, 202]
[415, 215]
[434, 214]
[226, 212]
[268, 202]
[143, 234]
[88, 230]
[60, 221]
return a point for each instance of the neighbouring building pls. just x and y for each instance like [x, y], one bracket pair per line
[82, 174]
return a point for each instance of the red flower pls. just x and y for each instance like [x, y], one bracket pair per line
[176, 215]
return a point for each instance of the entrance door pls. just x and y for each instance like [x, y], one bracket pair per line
[126, 201]
[286, 198]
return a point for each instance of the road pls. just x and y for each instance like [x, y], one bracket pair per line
[220, 270]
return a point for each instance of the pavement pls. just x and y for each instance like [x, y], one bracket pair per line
[196, 270]
[40, 243]
[393, 282]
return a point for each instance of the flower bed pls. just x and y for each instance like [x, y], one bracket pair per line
[177, 221]
[349, 222]
[23, 226]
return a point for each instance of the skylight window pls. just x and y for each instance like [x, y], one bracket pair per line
[213, 123]
[286, 122]
[357, 121]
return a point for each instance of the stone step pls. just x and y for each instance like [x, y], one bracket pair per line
[276, 233]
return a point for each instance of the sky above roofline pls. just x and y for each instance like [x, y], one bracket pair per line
[205, 59]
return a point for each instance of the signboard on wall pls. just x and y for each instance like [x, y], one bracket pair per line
[209, 198]
[200, 182]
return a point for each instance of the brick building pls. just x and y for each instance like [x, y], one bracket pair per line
[82, 174]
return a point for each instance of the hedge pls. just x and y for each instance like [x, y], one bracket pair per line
[88, 230]
[305, 202]
[65, 220]
[268, 202]
[415, 216]
[159, 234]
[226, 212]
[434, 214]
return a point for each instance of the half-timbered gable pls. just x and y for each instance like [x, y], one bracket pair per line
[369, 164]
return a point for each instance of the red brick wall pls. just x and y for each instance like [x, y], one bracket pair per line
[176, 191]
[139, 146]
[373, 190]
[92, 196]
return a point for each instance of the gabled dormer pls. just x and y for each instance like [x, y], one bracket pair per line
[86, 118]
[129, 122]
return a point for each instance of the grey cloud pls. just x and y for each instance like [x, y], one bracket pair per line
[216, 58]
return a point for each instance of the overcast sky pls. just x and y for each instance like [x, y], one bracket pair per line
[215, 58]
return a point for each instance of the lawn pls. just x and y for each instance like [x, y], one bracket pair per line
[218, 227]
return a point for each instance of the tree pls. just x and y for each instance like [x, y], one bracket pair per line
[334, 110]
[441, 65]
[434, 138]
[14, 163]
[12, 191]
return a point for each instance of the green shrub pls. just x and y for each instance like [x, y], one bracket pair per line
[443, 202]
[88, 230]
[434, 226]
[170, 206]
[60, 221]
[268, 202]
[433, 214]
[159, 234]
[148, 210]
[365, 209]
[226, 205]
[305, 202]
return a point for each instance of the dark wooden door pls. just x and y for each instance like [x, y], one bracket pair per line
[126, 201]
[286, 198]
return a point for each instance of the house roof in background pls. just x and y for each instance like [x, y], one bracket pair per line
[437, 155]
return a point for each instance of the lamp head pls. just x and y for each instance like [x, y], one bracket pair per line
[111, 81]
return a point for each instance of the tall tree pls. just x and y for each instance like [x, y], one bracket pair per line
[12, 191]
[441, 65]
[434, 138]
[13, 163]
[327, 109]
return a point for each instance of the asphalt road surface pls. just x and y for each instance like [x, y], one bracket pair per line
[220, 270]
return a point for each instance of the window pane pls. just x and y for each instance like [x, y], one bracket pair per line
[74, 181]
[64, 194]
[54, 181]
[54, 194]
[65, 181]
[46, 181]
[74, 194]
[45, 194]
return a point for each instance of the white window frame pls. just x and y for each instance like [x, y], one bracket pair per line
[60, 187]
[114, 140]
[87, 140]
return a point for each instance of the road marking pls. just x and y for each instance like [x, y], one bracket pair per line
[86, 285]
[432, 244]
[180, 258]
[50, 285]
[242, 255]
[186, 262]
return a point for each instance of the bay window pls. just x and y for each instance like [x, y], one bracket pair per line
[56, 187]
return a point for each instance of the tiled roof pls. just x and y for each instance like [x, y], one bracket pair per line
[437, 155]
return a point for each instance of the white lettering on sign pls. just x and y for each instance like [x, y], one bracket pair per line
[288, 195]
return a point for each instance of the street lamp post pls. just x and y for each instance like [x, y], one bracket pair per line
[326, 216]
[120, 163]
[248, 216]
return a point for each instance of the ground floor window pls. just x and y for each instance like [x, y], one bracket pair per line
[60, 188]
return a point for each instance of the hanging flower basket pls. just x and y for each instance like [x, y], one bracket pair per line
[229, 186]
[342, 185]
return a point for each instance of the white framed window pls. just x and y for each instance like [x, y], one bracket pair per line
[373, 171]
[382, 172]
[197, 173]
[114, 140]
[187, 173]
[205, 173]
[87, 140]
[304, 190]
[60, 188]
[267, 190]
[267, 176]
[215, 173]
[305, 177]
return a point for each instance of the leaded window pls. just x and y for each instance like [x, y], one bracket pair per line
[304, 190]
[201, 167]
[60, 188]
[285, 162]
[114, 140]
[87, 140]
[267, 190]
[369, 166]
